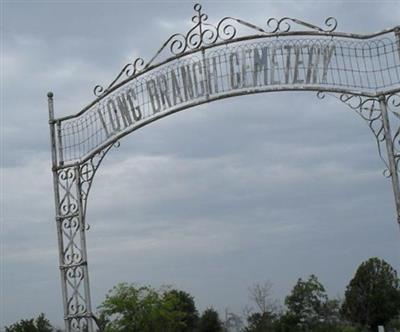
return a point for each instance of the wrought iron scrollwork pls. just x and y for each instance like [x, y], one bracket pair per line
[129, 70]
[87, 171]
[283, 25]
[393, 104]
[368, 108]
[79, 324]
[68, 202]
[203, 34]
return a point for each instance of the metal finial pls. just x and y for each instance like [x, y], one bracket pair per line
[197, 7]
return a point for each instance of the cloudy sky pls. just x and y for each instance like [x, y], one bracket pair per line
[210, 200]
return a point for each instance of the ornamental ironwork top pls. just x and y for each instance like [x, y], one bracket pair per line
[211, 62]
[204, 34]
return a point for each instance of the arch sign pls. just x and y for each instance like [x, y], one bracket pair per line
[212, 62]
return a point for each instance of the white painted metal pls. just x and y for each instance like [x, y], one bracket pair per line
[393, 171]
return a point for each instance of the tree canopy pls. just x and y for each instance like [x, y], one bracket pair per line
[306, 302]
[210, 322]
[144, 309]
[40, 324]
[372, 297]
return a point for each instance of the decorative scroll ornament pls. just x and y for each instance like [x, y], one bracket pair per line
[68, 203]
[283, 25]
[368, 108]
[393, 104]
[87, 171]
[129, 70]
[204, 34]
[79, 324]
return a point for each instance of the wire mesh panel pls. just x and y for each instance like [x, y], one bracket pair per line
[371, 66]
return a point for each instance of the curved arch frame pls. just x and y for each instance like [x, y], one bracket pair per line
[72, 179]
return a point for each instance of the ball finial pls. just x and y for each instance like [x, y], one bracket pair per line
[50, 94]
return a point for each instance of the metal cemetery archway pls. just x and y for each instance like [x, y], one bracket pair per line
[211, 62]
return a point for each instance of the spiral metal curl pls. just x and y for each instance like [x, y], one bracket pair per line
[79, 324]
[129, 70]
[321, 95]
[284, 25]
[73, 257]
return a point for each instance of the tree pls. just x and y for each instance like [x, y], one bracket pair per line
[209, 321]
[40, 324]
[183, 305]
[43, 324]
[261, 295]
[263, 319]
[232, 322]
[130, 308]
[260, 322]
[144, 309]
[331, 311]
[372, 297]
[306, 303]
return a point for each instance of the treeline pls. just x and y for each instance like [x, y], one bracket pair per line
[371, 299]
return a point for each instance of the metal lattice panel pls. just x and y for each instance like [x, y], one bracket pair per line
[250, 67]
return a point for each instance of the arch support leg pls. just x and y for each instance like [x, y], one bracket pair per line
[70, 193]
[71, 230]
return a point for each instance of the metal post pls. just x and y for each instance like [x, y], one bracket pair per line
[82, 231]
[57, 207]
[391, 155]
[70, 220]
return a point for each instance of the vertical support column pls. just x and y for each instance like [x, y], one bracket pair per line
[82, 235]
[70, 220]
[391, 154]
[57, 203]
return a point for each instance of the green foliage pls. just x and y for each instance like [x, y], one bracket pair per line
[132, 309]
[40, 324]
[209, 321]
[331, 311]
[144, 309]
[372, 297]
[260, 322]
[306, 303]
[182, 304]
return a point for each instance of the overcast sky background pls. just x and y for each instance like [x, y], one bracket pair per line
[210, 200]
